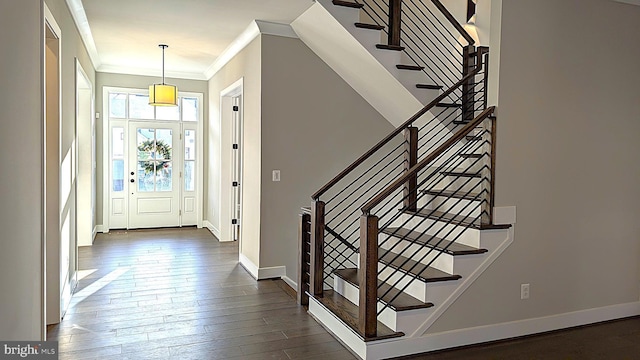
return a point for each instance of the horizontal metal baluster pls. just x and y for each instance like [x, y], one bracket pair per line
[422, 30]
[432, 211]
[449, 34]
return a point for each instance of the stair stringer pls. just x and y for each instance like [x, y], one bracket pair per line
[332, 42]
[339, 49]
[418, 341]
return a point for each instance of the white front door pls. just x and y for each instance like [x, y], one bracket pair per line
[155, 164]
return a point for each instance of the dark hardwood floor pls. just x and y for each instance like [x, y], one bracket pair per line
[181, 294]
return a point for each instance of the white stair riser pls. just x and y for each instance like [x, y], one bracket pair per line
[488, 239]
[434, 292]
[344, 15]
[347, 17]
[451, 205]
[443, 262]
[450, 182]
[366, 37]
[405, 321]
[443, 230]
[388, 58]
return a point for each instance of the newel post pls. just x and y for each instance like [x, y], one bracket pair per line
[317, 248]
[395, 20]
[410, 190]
[304, 257]
[368, 276]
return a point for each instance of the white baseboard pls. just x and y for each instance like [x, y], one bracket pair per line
[337, 328]
[96, 229]
[248, 265]
[273, 272]
[262, 273]
[215, 231]
[290, 282]
[482, 334]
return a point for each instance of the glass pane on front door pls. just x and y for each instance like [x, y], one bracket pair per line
[155, 160]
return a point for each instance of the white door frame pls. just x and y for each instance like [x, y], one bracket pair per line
[106, 152]
[225, 213]
[51, 240]
[82, 85]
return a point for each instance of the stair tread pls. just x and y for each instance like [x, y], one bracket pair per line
[449, 105]
[423, 272]
[473, 137]
[369, 26]
[347, 4]
[471, 156]
[429, 86]
[390, 47]
[461, 174]
[409, 67]
[348, 313]
[449, 247]
[386, 292]
[474, 196]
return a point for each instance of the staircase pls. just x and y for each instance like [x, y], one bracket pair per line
[394, 239]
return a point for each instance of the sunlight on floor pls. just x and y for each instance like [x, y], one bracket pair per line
[96, 285]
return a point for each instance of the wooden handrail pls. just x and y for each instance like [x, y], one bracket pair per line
[453, 21]
[395, 132]
[366, 209]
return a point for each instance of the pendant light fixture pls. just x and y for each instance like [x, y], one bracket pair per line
[163, 94]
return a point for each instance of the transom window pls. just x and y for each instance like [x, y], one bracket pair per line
[136, 106]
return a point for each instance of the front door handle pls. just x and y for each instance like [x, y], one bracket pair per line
[133, 180]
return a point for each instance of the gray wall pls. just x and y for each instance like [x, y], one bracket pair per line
[21, 181]
[568, 145]
[313, 126]
[72, 48]
[245, 65]
[21, 39]
[133, 82]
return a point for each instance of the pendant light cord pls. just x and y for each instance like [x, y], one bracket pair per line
[163, 46]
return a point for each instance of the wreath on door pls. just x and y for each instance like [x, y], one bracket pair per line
[157, 150]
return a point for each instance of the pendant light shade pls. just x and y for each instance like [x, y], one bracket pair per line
[163, 94]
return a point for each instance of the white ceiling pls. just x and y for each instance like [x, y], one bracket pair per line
[126, 33]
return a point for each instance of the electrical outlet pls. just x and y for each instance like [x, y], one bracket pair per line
[524, 291]
[275, 175]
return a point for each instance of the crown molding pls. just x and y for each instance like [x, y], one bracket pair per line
[254, 29]
[82, 24]
[150, 72]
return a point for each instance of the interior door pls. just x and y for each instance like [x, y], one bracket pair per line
[154, 189]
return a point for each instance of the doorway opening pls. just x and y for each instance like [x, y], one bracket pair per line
[153, 159]
[85, 160]
[231, 171]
